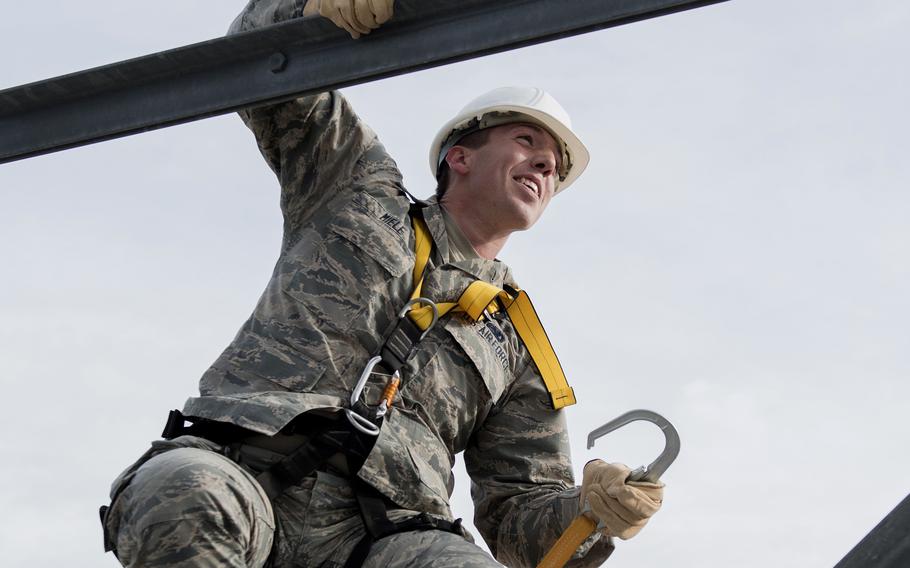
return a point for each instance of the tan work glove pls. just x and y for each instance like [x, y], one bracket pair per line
[622, 508]
[356, 17]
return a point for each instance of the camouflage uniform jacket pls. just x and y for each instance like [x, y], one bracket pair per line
[343, 274]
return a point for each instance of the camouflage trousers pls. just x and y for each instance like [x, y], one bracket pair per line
[185, 504]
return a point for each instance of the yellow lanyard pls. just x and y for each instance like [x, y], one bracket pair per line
[482, 296]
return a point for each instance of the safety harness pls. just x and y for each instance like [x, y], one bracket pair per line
[482, 297]
[328, 437]
[478, 299]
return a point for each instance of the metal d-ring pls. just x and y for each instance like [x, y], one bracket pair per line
[417, 302]
[671, 448]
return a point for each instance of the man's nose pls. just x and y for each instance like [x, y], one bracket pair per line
[545, 163]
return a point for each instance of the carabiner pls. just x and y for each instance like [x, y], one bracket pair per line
[357, 421]
[362, 423]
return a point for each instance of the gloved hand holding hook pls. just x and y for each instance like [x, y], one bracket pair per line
[614, 500]
[621, 508]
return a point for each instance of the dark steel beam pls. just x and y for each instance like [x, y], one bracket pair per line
[887, 545]
[287, 60]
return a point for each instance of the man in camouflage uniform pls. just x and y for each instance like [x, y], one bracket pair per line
[343, 275]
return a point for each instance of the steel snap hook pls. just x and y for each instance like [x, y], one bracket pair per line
[671, 447]
[584, 526]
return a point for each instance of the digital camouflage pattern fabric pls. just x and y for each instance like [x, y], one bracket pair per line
[343, 274]
[164, 517]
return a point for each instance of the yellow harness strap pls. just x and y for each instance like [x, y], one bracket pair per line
[480, 297]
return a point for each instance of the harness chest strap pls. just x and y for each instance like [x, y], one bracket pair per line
[480, 297]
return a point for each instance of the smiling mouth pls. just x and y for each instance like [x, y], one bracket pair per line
[528, 184]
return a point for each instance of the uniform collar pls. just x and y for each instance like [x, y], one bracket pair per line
[459, 245]
[493, 271]
[432, 215]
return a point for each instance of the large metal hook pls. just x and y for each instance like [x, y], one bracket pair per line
[671, 448]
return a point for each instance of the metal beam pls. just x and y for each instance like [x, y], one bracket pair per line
[284, 61]
[887, 545]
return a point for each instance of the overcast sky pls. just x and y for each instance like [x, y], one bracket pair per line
[735, 258]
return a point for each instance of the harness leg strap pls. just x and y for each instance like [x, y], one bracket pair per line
[302, 462]
[374, 511]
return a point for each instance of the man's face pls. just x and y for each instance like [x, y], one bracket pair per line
[514, 175]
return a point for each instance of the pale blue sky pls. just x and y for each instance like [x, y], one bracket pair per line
[736, 258]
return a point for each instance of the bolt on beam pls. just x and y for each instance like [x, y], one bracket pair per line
[284, 61]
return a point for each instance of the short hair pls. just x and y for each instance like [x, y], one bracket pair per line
[473, 141]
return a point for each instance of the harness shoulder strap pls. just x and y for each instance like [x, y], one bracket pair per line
[534, 336]
[480, 297]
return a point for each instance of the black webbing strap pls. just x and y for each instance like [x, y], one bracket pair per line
[399, 343]
[303, 461]
[218, 432]
[325, 438]
[375, 520]
[374, 511]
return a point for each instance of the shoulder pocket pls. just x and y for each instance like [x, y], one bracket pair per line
[376, 231]
[486, 346]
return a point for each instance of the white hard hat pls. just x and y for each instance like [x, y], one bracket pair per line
[515, 104]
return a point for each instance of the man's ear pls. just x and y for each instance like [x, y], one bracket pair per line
[458, 159]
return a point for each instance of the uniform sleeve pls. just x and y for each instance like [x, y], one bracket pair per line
[522, 484]
[261, 13]
[316, 145]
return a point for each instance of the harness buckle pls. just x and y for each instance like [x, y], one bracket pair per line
[406, 334]
[394, 352]
[175, 425]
